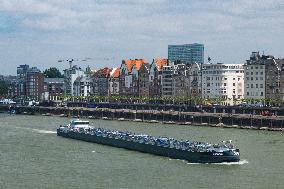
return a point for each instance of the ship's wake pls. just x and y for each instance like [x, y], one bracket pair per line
[241, 162]
[44, 131]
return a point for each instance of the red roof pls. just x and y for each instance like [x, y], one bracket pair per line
[160, 63]
[104, 72]
[130, 63]
[115, 72]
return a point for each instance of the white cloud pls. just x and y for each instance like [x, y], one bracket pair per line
[145, 27]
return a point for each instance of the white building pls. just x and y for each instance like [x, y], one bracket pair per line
[114, 82]
[167, 81]
[223, 82]
[82, 86]
[70, 75]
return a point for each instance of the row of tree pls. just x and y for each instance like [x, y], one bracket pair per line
[170, 100]
[52, 73]
[3, 89]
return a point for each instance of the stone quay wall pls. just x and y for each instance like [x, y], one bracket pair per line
[227, 120]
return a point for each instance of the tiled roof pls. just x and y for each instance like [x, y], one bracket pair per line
[104, 72]
[130, 63]
[115, 72]
[160, 63]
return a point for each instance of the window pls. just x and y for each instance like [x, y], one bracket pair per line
[234, 84]
[251, 86]
[261, 93]
[256, 85]
[247, 93]
[261, 85]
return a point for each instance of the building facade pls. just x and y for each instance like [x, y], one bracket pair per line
[129, 77]
[82, 86]
[280, 63]
[223, 82]
[34, 85]
[155, 76]
[53, 88]
[70, 75]
[263, 78]
[195, 80]
[101, 80]
[143, 80]
[187, 53]
[114, 82]
[167, 81]
[180, 81]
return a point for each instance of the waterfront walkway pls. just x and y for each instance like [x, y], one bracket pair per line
[244, 121]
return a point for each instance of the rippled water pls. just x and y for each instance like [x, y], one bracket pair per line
[33, 157]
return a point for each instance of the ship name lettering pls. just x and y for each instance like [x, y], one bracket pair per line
[217, 154]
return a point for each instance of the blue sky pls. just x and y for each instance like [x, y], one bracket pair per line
[38, 32]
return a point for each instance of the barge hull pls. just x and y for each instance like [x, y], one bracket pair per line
[193, 157]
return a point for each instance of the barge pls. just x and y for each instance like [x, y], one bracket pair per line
[191, 151]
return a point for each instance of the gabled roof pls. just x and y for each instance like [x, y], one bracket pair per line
[104, 72]
[160, 63]
[130, 63]
[115, 72]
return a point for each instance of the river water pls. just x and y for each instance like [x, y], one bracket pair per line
[33, 157]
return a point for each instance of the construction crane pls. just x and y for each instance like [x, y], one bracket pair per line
[71, 60]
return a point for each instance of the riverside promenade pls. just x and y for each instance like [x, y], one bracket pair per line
[225, 120]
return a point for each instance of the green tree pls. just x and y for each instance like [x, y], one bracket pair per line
[52, 73]
[3, 88]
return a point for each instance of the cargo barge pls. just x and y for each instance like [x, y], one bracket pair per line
[191, 151]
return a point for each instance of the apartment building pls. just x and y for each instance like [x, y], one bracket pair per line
[224, 82]
[263, 77]
[155, 76]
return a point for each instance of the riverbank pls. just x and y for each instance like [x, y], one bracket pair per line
[224, 120]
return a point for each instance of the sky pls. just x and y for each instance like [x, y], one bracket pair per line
[41, 32]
